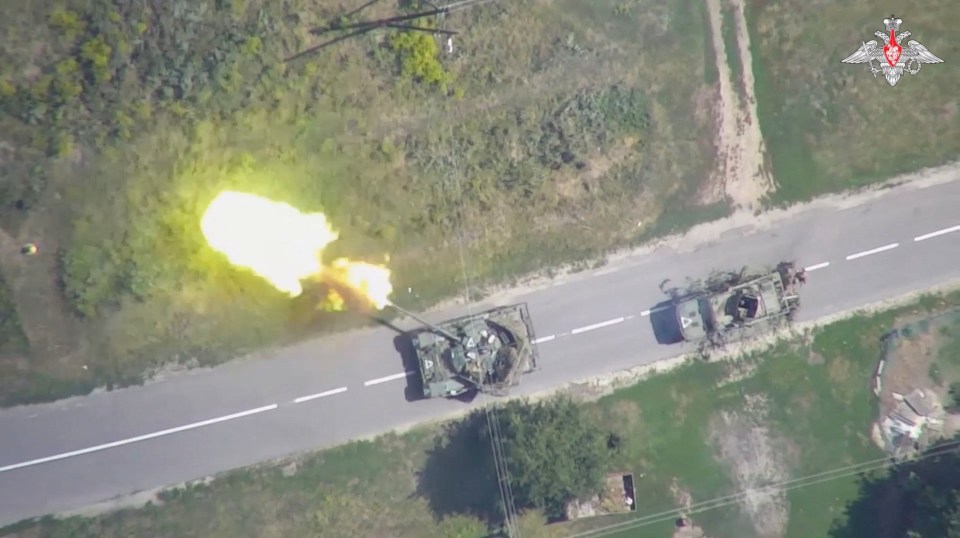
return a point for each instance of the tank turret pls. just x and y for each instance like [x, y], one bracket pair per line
[484, 352]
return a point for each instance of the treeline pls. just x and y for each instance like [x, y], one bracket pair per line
[915, 499]
[552, 452]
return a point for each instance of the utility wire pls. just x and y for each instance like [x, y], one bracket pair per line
[719, 502]
[391, 22]
[490, 412]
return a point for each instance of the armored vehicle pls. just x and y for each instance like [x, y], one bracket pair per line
[485, 352]
[734, 306]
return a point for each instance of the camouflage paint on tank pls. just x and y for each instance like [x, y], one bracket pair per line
[485, 352]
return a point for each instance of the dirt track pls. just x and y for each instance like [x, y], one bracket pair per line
[741, 173]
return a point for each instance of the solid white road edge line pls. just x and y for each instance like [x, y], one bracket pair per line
[816, 266]
[138, 438]
[877, 250]
[543, 339]
[937, 233]
[597, 326]
[387, 378]
[320, 395]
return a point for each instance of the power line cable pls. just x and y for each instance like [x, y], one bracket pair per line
[360, 28]
[490, 412]
[787, 485]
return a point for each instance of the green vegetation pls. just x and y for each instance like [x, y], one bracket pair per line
[918, 499]
[831, 126]
[418, 54]
[728, 26]
[554, 453]
[12, 340]
[122, 120]
[705, 431]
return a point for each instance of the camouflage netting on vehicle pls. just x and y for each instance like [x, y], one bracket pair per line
[734, 306]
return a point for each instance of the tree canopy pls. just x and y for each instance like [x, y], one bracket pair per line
[916, 499]
[553, 452]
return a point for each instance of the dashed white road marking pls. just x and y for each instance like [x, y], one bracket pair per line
[320, 395]
[816, 266]
[877, 250]
[937, 233]
[393, 377]
[138, 438]
[597, 326]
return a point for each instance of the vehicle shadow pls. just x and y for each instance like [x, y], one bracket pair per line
[413, 390]
[663, 319]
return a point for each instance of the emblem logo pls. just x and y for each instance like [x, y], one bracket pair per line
[892, 59]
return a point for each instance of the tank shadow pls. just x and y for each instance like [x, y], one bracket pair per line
[408, 358]
[663, 319]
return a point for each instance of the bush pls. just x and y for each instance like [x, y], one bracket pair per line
[417, 53]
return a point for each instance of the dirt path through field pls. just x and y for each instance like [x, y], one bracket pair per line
[741, 173]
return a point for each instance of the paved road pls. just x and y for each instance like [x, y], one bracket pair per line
[76, 452]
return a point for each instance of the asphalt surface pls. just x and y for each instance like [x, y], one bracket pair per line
[77, 452]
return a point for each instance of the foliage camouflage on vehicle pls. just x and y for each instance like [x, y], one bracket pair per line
[735, 306]
[483, 352]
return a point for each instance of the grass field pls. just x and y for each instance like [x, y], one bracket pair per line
[698, 433]
[12, 339]
[831, 126]
[730, 44]
[546, 137]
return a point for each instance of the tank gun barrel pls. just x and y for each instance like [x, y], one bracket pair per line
[424, 322]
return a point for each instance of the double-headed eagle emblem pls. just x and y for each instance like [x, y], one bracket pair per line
[892, 59]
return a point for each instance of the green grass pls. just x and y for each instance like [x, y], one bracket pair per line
[710, 73]
[12, 339]
[949, 352]
[944, 370]
[830, 126]
[728, 27]
[819, 413]
[549, 113]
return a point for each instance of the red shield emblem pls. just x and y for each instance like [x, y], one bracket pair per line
[892, 50]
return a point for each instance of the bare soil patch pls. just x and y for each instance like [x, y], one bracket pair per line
[907, 366]
[741, 173]
[683, 498]
[755, 460]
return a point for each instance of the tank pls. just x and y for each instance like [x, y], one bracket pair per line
[484, 352]
[736, 306]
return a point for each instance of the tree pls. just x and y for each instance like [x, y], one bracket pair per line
[916, 499]
[418, 56]
[553, 452]
[954, 404]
